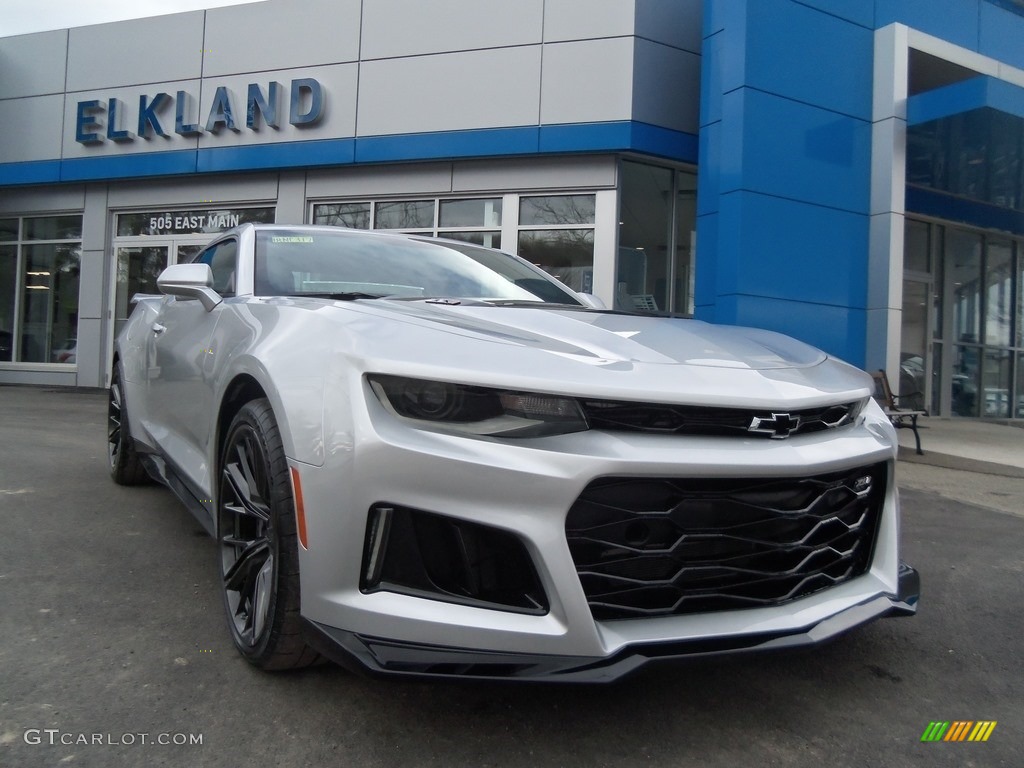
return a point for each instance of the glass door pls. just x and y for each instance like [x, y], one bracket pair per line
[137, 268]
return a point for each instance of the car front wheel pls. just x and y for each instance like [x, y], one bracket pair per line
[257, 543]
[125, 466]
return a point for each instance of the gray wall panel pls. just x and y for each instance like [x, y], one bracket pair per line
[394, 28]
[66, 197]
[422, 178]
[584, 19]
[151, 50]
[291, 198]
[476, 89]
[339, 117]
[129, 104]
[194, 192]
[588, 81]
[33, 65]
[40, 378]
[539, 173]
[95, 218]
[673, 22]
[658, 70]
[279, 34]
[30, 128]
[90, 340]
[90, 285]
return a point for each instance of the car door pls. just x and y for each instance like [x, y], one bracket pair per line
[181, 388]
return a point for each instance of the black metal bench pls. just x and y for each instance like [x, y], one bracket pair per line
[901, 418]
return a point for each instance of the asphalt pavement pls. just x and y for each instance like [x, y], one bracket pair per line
[112, 639]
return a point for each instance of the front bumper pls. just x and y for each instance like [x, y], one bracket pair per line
[385, 657]
[526, 488]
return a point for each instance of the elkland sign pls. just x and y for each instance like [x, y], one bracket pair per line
[96, 122]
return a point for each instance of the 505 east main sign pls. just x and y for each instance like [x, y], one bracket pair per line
[96, 121]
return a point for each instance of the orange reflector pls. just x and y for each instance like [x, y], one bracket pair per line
[300, 509]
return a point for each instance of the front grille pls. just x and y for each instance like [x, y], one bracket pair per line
[703, 420]
[656, 547]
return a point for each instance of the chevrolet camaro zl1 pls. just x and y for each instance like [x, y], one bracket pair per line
[425, 457]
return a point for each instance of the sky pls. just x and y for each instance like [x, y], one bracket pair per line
[18, 17]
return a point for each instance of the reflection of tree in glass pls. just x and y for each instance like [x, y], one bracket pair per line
[351, 215]
[557, 209]
[568, 254]
[405, 214]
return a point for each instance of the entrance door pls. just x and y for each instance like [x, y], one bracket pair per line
[915, 365]
[137, 268]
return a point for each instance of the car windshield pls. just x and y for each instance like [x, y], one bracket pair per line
[353, 264]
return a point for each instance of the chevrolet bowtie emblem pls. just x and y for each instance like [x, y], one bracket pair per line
[777, 426]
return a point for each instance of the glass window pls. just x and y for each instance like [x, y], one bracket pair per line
[686, 241]
[966, 372]
[645, 229]
[406, 214]
[556, 209]
[8, 229]
[351, 215]
[916, 248]
[486, 239]
[998, 292]
[54, 228]
[137, 270]
[965, 266]
[50, 301]
[996, 378]
[470, 213]
[913, 345]
[1020, 385]
[194, 222]
[938, 285]
[8, 288]
[1020, 295]
[568, 254]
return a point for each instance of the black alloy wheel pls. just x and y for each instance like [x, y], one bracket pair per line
[125, 466]
[258, 544]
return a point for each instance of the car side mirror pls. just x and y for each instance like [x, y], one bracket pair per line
[190, 281]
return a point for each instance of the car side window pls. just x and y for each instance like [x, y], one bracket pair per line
[223, 260]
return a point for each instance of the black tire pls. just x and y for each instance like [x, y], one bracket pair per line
[125, 466]
[257, 544]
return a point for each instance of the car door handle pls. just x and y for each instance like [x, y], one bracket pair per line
[158, 329]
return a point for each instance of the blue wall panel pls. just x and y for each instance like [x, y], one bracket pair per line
[952, 20]
[795, 251]
[1001, 35]
[32, 172]
[793, 150]
[809, 56]
[785, 164]
[857, 11]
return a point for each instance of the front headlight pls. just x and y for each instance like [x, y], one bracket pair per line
[477, 410]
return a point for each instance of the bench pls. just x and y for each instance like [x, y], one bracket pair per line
[901, 418]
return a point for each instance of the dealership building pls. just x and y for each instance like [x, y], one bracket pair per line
[849, 172]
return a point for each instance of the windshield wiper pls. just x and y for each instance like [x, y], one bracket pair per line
[340, 296]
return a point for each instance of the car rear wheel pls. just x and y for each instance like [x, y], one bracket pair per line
[258, 545]
[125, 466]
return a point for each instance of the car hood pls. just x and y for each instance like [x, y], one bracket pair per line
[609, 337]
[598, 353]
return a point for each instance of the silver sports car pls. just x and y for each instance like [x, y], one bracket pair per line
[420, 456]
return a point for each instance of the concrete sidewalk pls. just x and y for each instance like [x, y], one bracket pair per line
[967, 444]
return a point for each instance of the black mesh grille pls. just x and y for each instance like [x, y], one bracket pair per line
[701, 420]
[653, 547]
